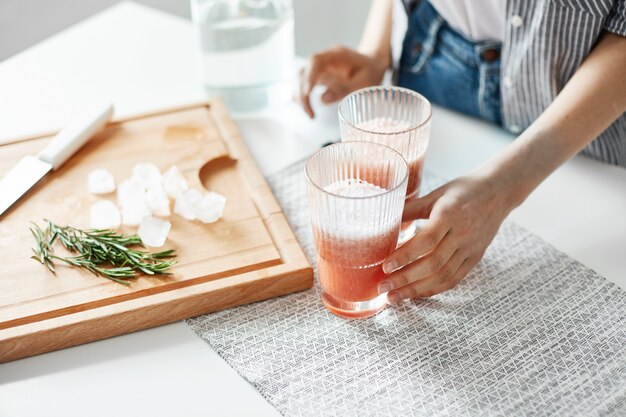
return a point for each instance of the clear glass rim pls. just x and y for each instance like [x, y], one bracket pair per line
[405, 177]
[382, 88]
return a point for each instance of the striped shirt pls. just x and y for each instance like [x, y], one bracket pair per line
[545, 42]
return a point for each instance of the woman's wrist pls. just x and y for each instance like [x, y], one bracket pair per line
[377, 66]
[380, 58]
[497, 191]
[512, 175]
[529, 160]
[381, 65]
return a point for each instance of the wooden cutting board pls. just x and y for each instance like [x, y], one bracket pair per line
[251, 254]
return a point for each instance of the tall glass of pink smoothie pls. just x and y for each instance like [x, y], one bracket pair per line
[355, 214]
[392, 116]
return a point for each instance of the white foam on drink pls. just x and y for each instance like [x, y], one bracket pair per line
[354, 188]
[387, 125]
[356, 219]
[384, 125]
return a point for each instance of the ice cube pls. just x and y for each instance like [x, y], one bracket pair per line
[210, 207]
[132, 199]
[147, 174]
[134, 212]
[185, 205]
[157, 201]
[174, 183]
[129, 190]
[100, 181]
[153, 231]
[105, 215]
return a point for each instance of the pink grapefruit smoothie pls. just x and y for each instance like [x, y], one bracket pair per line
[351, 250]
[400, 134]
[374, 173]
[351, 269]
[413, 187]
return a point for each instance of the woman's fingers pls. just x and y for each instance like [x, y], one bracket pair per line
[444, 279]
[425, 240]
[467, 265]
[336, 87]
[319, 66]
[463, 218]
[428, 289]
[308, 80]
[337, 69]
[329, 96]
[422, 267]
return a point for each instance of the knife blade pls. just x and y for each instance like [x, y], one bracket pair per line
[30, 169]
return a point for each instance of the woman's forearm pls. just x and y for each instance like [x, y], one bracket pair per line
[376, 37]
[593, 99]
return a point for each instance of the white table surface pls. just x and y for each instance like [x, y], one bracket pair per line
[143, 60]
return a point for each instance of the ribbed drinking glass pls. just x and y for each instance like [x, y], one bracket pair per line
[356, 196]
[396, 117]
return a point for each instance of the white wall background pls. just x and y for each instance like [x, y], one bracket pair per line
[324, 23]
[319, 23]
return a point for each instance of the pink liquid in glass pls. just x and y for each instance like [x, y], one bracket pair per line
[380, 126]
[413, 187]
[415, 178]
[350, 260]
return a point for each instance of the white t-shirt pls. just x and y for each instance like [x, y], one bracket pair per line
[477, 20]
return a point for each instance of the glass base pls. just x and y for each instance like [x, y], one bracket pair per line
[252, 98]
[354, 309]
[407, 232]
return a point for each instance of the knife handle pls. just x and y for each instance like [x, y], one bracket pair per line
[75, 135]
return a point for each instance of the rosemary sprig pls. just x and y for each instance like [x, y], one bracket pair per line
[97, 249]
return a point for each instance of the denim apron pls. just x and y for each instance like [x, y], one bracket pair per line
[447, 68]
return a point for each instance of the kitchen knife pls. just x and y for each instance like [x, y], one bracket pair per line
[69, 140]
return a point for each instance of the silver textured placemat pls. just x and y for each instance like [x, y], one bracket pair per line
[529, 332]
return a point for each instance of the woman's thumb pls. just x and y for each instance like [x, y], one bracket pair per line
[419, 208]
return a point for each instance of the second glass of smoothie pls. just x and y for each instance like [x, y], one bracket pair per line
[397, 117]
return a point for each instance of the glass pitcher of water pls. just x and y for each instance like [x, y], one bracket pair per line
[246, 50]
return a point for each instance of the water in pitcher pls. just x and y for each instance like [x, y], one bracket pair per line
[246, 50]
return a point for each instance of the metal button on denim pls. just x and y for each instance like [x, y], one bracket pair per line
[490, 54]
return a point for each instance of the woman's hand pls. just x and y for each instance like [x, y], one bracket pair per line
[342, 71]
[463, 218]
[465, 214]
